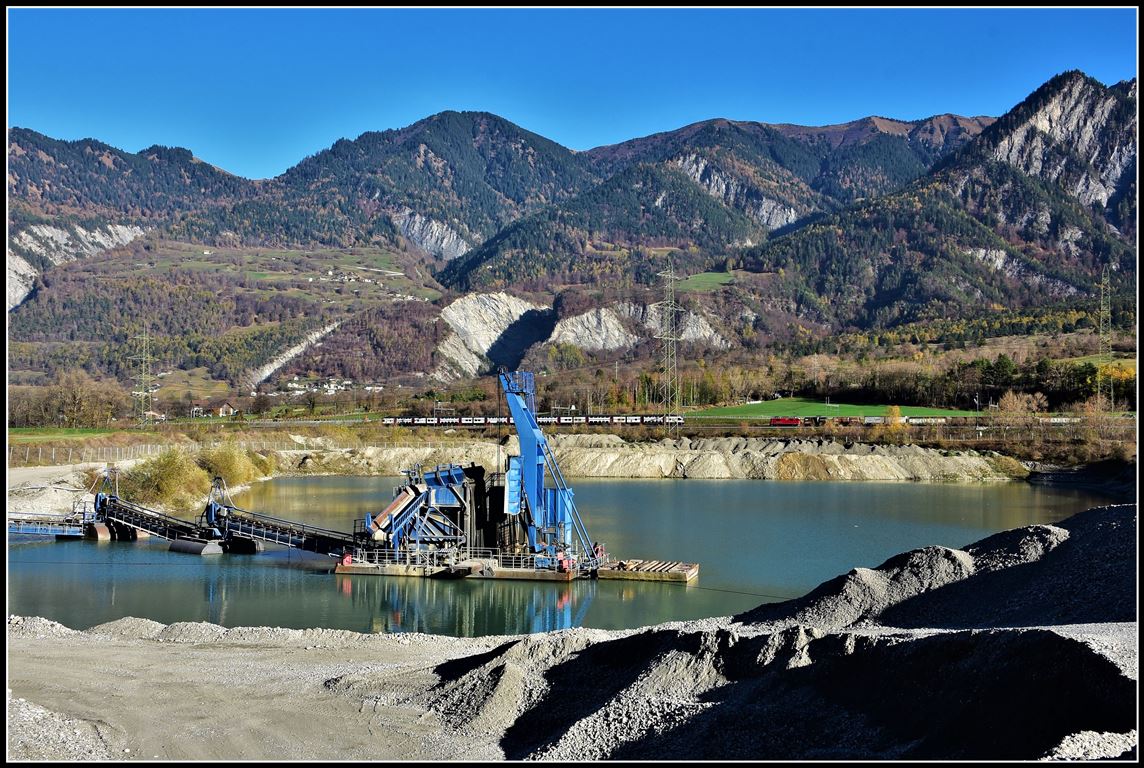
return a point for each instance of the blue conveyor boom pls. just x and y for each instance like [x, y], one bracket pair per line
[555, 530]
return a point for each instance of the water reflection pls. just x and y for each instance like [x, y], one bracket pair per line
[467, 608]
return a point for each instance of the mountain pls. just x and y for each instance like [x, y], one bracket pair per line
[1021, 217]
[475, 171]
[839, 162]
[1075, 134]
[438, 186]
[607, 233]
[773, 175]
[801, 230]
[441, 186]
[87, 178]
[74, 199]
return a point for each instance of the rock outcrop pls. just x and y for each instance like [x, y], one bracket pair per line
[55, 245]
[431, 236]
[457, 361]
[600, 329]
[692, 327]
[737, 193]
[480, 319]
[494, 327]
[1082, 138]
[1000, 260]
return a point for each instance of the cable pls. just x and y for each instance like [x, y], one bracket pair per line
[752, 594]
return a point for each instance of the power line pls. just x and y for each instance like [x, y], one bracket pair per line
[1104, 370]
[669, 334]
[144, 377]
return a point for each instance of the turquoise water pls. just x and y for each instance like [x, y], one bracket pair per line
[756, 542]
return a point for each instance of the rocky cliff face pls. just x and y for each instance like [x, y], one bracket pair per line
[41, 244]
[1082, 138]
[457, 361]
[692, 327]
[737, 193]
[481, 318]
[480, 323]
[601, 329]
[431, 236]
[488, 328]
[21, 277]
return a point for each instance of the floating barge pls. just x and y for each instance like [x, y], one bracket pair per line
[456, 522]
[495, 568]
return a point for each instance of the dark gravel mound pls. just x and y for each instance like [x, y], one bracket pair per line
[1088, 577]
[1008, 694]
[936, 654]
[1080, 571]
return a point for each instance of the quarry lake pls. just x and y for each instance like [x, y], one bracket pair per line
[756, 542]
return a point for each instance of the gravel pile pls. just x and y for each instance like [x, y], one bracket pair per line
[36, 627]
[190, 632]
[1089, 745]
[864, 593]
[129, 628]
[35, 733]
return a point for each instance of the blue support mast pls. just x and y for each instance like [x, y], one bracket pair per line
[555, 530]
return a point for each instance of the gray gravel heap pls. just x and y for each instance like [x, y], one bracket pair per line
[936, 654]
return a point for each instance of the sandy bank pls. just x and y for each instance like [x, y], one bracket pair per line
[50, 490]
[1019, 646]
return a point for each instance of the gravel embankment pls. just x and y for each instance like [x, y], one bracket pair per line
[610, 456]
[1020, 646]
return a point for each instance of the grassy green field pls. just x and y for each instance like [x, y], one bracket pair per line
[802, 407]
[704, 282]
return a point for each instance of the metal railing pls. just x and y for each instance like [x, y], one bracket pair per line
[50, 455]
[409, 557]
[441, 558]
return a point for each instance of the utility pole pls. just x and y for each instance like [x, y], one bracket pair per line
[143, 394]
[669, 335]
[1104, 363]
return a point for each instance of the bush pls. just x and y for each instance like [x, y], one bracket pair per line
[266, 465]
[172, 479]
[229, 462]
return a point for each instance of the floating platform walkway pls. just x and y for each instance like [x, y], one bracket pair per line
[61, 526]
[649, 570]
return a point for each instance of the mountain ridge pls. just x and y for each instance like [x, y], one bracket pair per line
[851, 227]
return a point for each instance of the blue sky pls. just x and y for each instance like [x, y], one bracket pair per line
[255, 91]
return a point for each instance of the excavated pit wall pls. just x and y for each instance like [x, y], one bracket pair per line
[610, 456]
